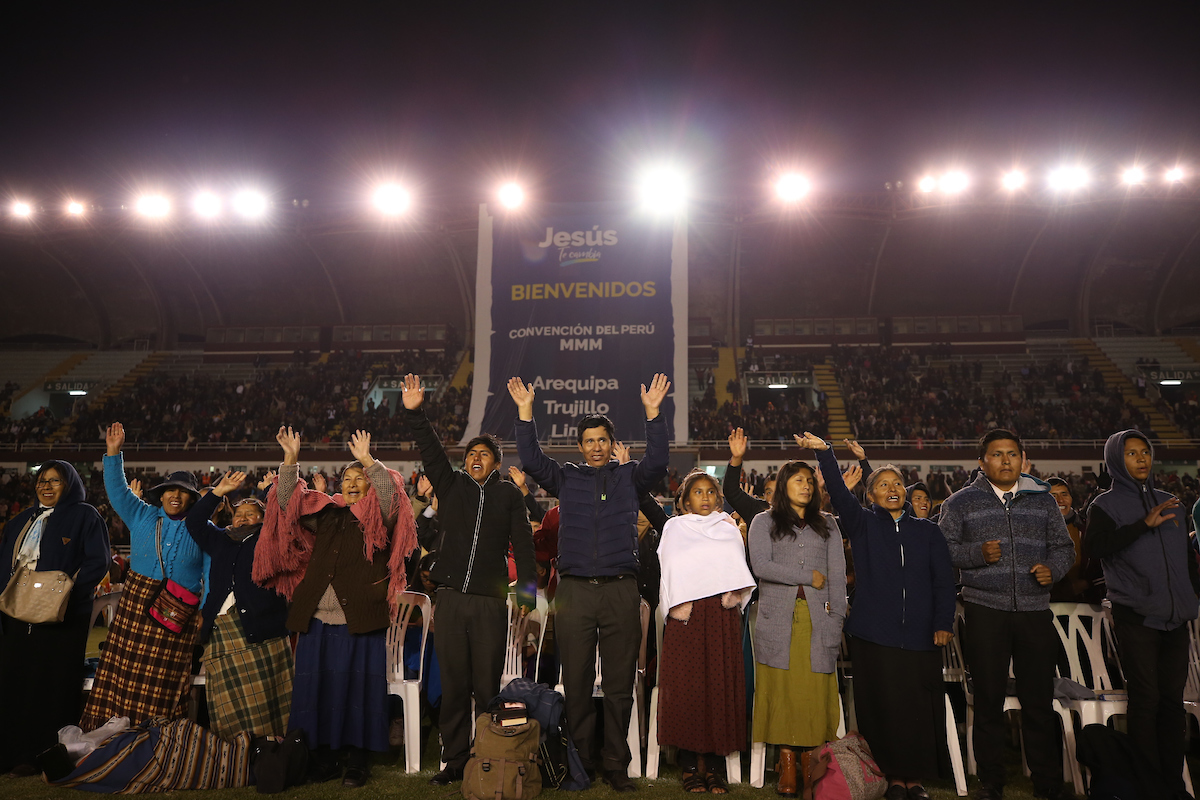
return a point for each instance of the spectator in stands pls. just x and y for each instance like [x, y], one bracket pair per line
[248, 658]
[1084, 581]
[481, 516]
[145, 668]
[903, 614]
[702, 679]
[344, 583]
[598, 599]
[1141, 536]
[1008, 540]
[40, 662]
[796, 554]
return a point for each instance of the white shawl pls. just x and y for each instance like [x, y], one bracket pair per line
[702, 557]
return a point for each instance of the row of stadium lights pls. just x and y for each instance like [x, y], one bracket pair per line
[661, 189]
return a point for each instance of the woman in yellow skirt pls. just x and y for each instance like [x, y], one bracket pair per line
[796, 555]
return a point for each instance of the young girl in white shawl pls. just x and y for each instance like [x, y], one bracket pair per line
[702, 679]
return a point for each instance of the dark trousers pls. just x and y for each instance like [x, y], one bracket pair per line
[607, 614]
[471, 635]
[1155, 664]
[1027, 637]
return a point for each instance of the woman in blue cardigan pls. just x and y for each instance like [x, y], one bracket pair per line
[903, 613]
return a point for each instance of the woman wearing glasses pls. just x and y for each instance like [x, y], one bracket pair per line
[40, 664]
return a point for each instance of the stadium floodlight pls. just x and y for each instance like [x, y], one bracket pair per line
[954, 182]
[153, 205]
[1174, 175]
[792, 187]
[22, 209]
[927, 184]
[74, 208]
[1013, 180]
[1068, 178]
[207, 205]
[1133, 176]
[511, 195]
[250, 204]
[663, 190]
[392, 199]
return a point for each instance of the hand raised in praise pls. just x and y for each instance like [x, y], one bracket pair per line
[737, 446]
[267, 480]
[114, 439]
[229, 482]
[289, 440]
[653, 397]
[622, 453]
[135, 486]
[1156, 516]
[413, 394]
[425, 488]
[856, 449]
[360, 448]
[518, 479]
[852, 476]
[320, 483]
[810, 441]
[522, 395]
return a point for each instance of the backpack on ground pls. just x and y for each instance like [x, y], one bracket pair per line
[504, 761]
[561, 765]
[844, 770]
[1109, 755]
[277, 763]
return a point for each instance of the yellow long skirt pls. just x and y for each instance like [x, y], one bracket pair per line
[796, 707]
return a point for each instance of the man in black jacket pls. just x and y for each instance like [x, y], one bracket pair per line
[480, 516]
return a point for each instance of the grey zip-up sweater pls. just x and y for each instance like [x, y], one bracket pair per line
[1030, 530]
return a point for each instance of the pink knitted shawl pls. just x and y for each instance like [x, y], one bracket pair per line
[285, 546]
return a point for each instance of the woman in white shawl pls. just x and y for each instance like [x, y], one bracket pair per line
[702, 678]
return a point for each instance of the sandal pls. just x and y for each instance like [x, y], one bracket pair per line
[716, 783]
[693, 783]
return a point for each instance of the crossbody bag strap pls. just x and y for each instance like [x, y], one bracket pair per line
[158, 546]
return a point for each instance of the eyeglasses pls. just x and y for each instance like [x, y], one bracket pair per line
[49, 482]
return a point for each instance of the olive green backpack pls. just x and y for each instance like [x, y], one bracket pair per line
[504, 762]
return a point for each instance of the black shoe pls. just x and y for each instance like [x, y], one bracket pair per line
[355, 777]
[988, 792]
[446, 777]
[619, 780]
[323, 772]
[917, 793]
[896, 791]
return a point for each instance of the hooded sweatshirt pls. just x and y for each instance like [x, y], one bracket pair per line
[1146, 568]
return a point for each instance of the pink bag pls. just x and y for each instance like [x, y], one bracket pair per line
[844, 770]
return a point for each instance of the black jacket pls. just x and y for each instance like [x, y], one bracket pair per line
[263, 612]
[478, 524]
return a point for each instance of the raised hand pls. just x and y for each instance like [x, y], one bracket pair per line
[267, 480]
[413, 394]
[856, 449]
[1026, 464]
[114, 439]
[622, 453]
[425, 488]
[228, 483]
[653, 397]
[360, 448]
[319, 482]
[135, 486]
[1156, 516]
[522, 395]
[289, 440]
[518, 478]
[737, 446]
[810, 441]
[852, 476]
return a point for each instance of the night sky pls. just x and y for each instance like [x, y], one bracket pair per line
[321, 100]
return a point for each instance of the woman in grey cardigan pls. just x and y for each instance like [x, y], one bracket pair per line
[796, 554]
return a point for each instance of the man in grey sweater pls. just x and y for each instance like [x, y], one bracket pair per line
[1008, 539]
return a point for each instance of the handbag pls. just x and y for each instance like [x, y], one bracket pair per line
[36, 596]
[170, 605]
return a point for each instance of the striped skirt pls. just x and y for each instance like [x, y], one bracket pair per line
[162, 756]
[249, 686]
[145, 670]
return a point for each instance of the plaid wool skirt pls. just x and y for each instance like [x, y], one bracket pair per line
[145, 670]
[249, 686]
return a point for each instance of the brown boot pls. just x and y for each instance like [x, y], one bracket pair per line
[805, 778]
[786, 769]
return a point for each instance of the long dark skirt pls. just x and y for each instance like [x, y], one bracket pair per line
[340, 693]
[41, 685]
[702, 682]
[898, 698]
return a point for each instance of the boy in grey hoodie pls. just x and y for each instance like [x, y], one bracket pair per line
[1140, 535]
[1010, 543]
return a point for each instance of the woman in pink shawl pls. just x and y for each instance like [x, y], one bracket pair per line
[340, 561]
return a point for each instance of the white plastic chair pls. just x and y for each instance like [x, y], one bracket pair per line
[953, 672]
[408, 689]
[519, 632]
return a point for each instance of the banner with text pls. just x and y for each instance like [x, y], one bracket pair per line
[586, 302]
